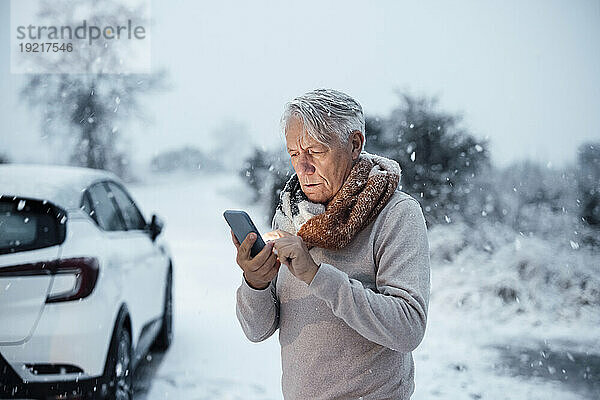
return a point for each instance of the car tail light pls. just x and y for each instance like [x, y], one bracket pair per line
[83, 269]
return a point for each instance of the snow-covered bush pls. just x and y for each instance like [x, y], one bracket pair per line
[446, 241]
[514, 274]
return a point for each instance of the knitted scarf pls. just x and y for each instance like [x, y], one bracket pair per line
[370, 184]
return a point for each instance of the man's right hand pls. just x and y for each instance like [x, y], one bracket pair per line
[260, 270]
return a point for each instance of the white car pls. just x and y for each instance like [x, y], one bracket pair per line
[85, 284]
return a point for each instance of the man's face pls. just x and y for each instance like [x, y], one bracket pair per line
[321, 170]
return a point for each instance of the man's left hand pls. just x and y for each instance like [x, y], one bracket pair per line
[293, 252]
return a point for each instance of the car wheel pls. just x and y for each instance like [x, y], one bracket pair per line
[118, 371]
[165, 336]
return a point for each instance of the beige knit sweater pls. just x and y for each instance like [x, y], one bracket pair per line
[350, 333]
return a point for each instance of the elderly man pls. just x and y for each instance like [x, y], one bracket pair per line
[351, 302]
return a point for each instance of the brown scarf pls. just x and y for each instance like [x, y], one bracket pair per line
[369, 186]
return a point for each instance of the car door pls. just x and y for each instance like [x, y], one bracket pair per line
[123, 261]
[150, 276]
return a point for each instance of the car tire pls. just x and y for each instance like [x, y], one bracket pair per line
[118, 373]
[165, 335]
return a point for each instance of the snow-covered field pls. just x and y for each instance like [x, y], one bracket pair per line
[491, 333]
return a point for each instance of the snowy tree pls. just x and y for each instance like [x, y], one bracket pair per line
[439, 159]
[589, 182]
[266, 172]
[84, 111]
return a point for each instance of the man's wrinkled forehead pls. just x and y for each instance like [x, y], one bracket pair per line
[296, 135]
[304, 142]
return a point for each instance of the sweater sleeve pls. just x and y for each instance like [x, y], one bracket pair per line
[395, 315]
[257, 310]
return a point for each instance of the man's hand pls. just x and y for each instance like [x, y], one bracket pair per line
[292, 251]
[260, 270]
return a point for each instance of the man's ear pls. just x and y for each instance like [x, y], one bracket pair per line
[357, 140]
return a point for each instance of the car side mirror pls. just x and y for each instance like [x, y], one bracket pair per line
[155, 227]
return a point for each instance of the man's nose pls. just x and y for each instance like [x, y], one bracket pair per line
[304, 166]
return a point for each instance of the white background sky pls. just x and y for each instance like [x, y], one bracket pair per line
[525, 74]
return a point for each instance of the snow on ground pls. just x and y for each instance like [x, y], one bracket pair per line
[518, 322]
[210, 357]
[482, 341]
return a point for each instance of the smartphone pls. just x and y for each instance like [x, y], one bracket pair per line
[242, 225]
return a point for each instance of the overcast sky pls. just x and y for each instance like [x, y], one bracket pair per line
[524, 74]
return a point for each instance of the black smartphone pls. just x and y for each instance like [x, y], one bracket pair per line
[242, 225]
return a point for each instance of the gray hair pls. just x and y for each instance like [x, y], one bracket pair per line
[325, 115]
